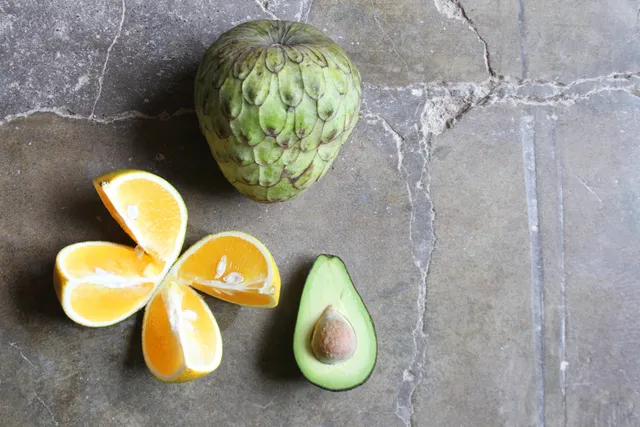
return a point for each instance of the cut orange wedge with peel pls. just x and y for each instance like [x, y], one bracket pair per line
[180, 337]
[148, 208]
[102, 283]
[232, 266]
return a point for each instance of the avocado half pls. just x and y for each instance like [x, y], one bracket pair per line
[329, 284]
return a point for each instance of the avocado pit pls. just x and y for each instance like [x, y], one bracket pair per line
[334, 339]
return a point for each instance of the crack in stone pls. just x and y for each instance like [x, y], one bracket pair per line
[106, 59]
[126, 115]
[302, 15]
[53, 418]
[397, 137]
[264, 5]
[540, 93]
[413, 153]
[453, 9]
[445, 103]
[15, 345]
[421, 245]
[423, 240]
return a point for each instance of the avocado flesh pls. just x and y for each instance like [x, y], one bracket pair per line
[329, 283]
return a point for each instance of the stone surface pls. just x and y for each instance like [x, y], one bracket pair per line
[571, 40]
[52, 56]
[486, 205]
[396, 43]
[590, 213]
[478, 319]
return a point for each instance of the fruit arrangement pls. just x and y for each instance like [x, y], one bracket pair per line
[275, 100]
[102, 283]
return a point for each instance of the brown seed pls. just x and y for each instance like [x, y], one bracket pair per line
[333, 339]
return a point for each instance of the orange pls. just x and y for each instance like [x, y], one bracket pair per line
[148, 208]
[180, 337]
[232, 266]
[101, 283]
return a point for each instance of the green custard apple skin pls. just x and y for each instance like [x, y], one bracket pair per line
[276, 100]
[329, 288]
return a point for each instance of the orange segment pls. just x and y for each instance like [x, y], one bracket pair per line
[83, 259]
[233, 266]
[148, 208]
[181, 340]
[160, 346]
[101, 283]
[102, 304]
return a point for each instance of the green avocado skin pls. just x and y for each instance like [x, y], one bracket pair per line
[327, 283]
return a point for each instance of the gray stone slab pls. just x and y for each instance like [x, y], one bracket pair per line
[57, 370]
[153, 63]
[524, 314]
[397, 43]
[572, 39]
[588, 161]
[51, 55]
[105, 60]
[480, 357]
[497, 23]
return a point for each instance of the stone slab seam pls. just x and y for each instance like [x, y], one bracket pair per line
[454, 10]
[445, 102]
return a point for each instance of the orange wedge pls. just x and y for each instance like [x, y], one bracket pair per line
[232, 266]
[180, 337]
[148, 208]
[101, 283]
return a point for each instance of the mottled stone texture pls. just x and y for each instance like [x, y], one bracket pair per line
[478, 316]
[487, 206]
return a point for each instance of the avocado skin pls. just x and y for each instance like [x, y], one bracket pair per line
[337, 390]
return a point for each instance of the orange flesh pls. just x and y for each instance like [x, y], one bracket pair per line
[161, 345]
[244, 298]
[242, 257]
[100, 303]
[113, 280]
[158, 215]
[115, 259]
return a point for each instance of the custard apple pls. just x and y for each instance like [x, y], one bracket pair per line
[276, 100]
